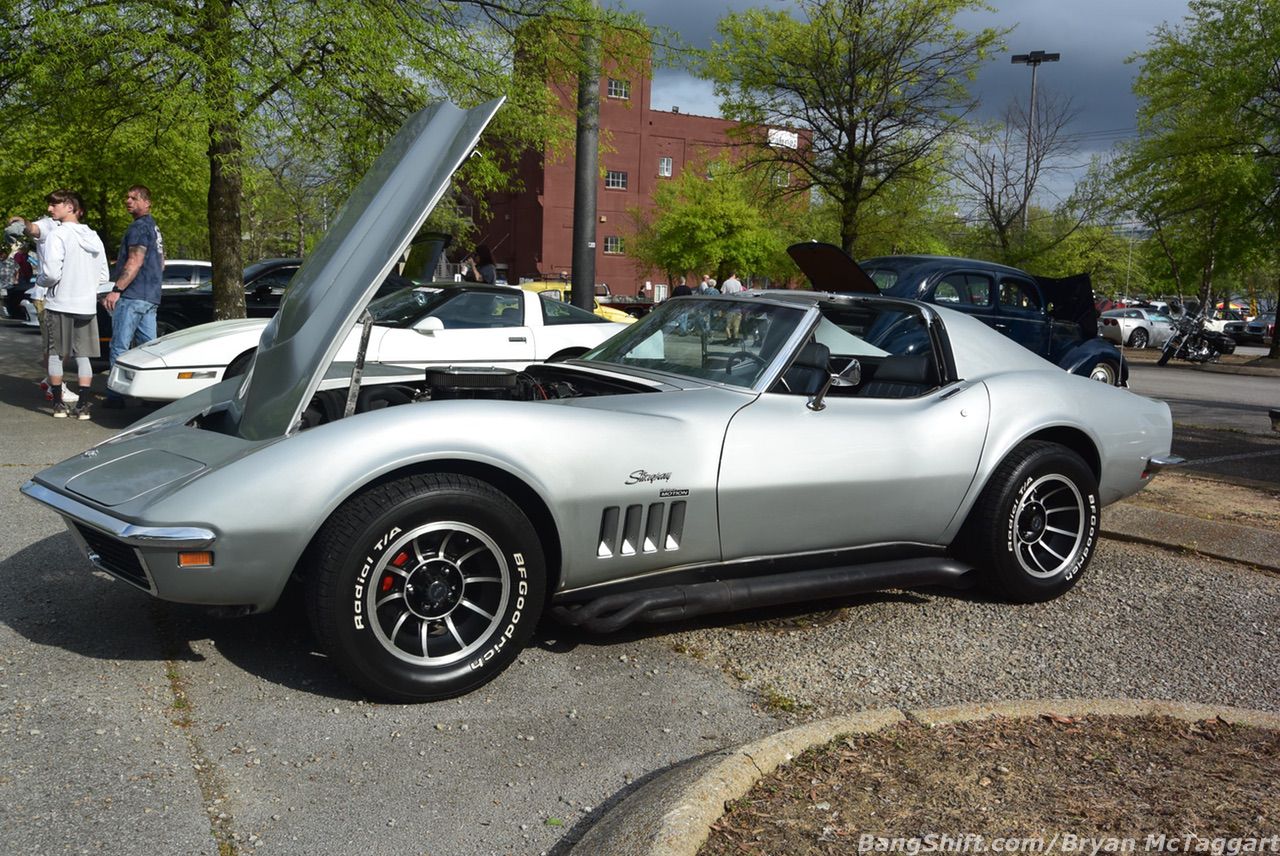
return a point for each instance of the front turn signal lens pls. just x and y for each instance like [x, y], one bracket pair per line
[201, 559]
[205, 375]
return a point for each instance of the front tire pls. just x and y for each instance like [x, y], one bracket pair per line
[1033, 530]
[427, 587]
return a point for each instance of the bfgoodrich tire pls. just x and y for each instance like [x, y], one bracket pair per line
[426, 587]
[1033, 530]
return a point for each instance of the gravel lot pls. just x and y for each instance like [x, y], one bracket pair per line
[1143, 623]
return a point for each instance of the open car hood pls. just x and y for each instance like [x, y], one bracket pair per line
[367, 238]
[829, 268]
[1071, 300]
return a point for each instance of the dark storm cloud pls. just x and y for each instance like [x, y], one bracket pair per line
[1095, 37]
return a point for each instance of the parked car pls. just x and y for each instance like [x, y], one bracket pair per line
[1225, 321]
[559, 291]
[1136, 328]
[1262, 330]
[446, 324]
[1054, 318]
[849, 442]
[187, 297]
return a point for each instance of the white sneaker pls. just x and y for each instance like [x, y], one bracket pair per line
[67, 395]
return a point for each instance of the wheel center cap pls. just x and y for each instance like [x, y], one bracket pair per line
[1031, 523]
[434, 589]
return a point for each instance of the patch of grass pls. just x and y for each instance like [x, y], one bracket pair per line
[777, 701]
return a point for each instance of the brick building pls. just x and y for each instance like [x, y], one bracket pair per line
[531, 233]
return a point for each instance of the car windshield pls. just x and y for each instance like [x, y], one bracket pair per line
[404, 307]
[715, 339]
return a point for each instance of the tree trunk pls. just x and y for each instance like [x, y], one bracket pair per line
[225, 176]
[1274, 353]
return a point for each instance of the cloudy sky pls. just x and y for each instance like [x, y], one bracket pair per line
[1094, 37]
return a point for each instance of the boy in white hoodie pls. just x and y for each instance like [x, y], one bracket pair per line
[75, 262]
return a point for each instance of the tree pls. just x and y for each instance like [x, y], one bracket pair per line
[233, 75]
[998, 175]
[1210, 121]
[873, 87]
[717, 224]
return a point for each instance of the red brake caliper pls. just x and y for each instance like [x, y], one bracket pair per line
[389, 579]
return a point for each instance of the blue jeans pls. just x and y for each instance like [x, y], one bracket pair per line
[133, 323]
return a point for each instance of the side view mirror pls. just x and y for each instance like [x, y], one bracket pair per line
[850, 375]
[428, 326]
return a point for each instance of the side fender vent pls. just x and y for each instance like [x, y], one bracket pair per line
[637, 530]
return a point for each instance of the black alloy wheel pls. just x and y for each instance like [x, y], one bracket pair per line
[427, 587]
[1033, 530]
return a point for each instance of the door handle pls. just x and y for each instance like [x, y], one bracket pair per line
[1000, 326]
[516, 339]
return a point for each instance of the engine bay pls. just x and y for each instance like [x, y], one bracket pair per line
[537, 382]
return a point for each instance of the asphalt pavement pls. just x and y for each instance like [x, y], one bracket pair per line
[129, 725]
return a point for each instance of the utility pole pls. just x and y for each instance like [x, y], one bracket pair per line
[586, 165]
[1032, 59]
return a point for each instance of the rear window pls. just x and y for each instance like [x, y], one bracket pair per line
[558, 312]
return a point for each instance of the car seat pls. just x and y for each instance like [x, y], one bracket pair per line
[809, 371]
[899, 377]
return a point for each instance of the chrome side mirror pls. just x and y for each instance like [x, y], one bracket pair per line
[851, 375]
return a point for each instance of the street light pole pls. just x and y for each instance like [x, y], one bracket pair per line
[1032, 59]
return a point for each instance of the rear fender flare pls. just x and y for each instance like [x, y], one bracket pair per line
[1082, 358]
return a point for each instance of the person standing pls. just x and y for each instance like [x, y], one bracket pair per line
[140, 271]
[73, 263]
[682, 289]
[39, 231]
[483, 268]
[733, 318]
[708, 285]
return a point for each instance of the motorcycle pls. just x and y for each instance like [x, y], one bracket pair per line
[1193, 343]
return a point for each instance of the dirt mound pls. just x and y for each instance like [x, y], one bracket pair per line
[1055, 784]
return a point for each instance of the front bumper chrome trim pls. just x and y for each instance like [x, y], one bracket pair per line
[171, 537]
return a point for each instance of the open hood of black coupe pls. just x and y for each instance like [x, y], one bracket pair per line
[829, 268]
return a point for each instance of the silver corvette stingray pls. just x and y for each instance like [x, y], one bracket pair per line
[721, 453]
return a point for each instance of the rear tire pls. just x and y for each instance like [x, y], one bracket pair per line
[1033, 530]
[426, 587]
[1139, 339]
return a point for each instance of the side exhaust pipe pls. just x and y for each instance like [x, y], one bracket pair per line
[612, 612]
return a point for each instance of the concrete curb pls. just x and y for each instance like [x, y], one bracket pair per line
[672, 813]
[1215, 538]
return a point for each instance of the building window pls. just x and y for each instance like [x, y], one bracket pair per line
[615, 180]
[664, 167]
[619, 88]
[612, 245]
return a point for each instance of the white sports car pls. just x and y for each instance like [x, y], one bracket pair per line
[465, 324]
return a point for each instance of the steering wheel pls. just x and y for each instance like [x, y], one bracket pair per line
[742, 356]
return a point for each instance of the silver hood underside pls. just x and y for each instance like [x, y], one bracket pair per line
[369, 235]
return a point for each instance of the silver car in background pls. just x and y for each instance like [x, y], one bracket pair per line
[796, 446]
[1135, 327]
